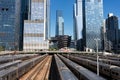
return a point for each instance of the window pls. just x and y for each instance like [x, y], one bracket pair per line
[2, 9]
[6, 9]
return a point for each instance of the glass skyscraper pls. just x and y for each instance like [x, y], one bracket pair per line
[59, 23]
[35, 27]
[88, 22]
[10, 24]
[92, 22]
[112, 29]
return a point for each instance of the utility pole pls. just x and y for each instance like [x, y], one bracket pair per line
[97, 55]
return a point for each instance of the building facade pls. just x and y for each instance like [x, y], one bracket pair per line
[88, 21]
[112, 30]
[10, 24]
[35, 29]
[107, 45]
[63, 41]
[24, 16]
[92, 23]
[78, 19]
[59, 23]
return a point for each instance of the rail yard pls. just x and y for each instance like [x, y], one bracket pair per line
[59, 66]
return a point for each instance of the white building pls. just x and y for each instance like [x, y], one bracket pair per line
[36, 28]
[78, 20]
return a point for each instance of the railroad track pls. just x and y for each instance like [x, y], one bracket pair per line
[44, 73]
[40, 71]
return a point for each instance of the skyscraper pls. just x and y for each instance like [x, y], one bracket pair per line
[88, 21]
[35, 29]
[78, 19]
[92, 23]
[59, 23]
[10, 24]
[112, 30]
[24, 16]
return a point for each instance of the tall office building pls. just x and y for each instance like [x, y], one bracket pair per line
[59, 23]
[47, 20]
[112, 30]
[24, 16]
[88, 21]
[10, 24]
[35, 29]
[92, 23]
[107, 46]
[78, 19]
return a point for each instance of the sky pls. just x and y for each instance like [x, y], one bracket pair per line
[110, 6]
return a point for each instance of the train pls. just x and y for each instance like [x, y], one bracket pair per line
[107, 61]
[9, 58]
[15, 72]
[109, 71]
[9, 64]
[81, 72]
[63, 71]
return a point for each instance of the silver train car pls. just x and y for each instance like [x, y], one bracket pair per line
[14, 73]
[109, 71]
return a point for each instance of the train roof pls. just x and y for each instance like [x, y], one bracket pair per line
[65, 73]
[7, 71]
[83, 71]
[9, 63]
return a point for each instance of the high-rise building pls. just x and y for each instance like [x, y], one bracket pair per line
[92, 23]
[59, 23]
[88, 21]
[78, 19]
[36, 28]
[112, 30]
[107, 46]
[24, 16]
[10, 24]
[47, 19]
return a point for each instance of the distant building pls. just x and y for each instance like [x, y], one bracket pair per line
[79, 45]
[72, 44]
[10, 11]
[119, 42]
[107, 45]
[63, 41]
[36, 28]
[53, 43]
[119, 35]
[59, 23]
[112, 30]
